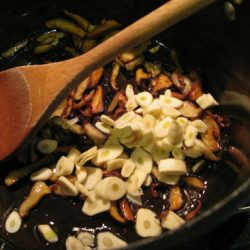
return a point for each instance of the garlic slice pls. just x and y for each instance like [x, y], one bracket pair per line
[128, 168]
[142, 160]
[73, 154]
[64, 166]
[144, 99]
[170, 111]
[183, 122]
[135, 181]
[175, 134]
[146, 223]
[111, 188]
[172, 221]
[115, 164]
[94, 176]
[190, 136]
[73, 243]
[147, 138]
[162, 128]
[149, 121]
[42, 174]
[86, 238]
[178, 154]
[106, 129]
[206, 101]
[123, 132]
[172, 167]
[94, 204]
[129, 91]
[13, 222]
[107, 120]
[82, 189]
[107, 240]
[86, 156]
[166, 101]
[81, 173]
[200, 125]
[48, 233]
[135, 199]
[147, 181]
[160, 154]
[47, 146]
[154, 108]
[108, 153]
[131, 104]
[168, 179]
[127, 117]
[67, 187]
[112, 140]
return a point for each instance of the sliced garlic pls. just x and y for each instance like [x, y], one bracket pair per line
[149, 121]
[123, 132]
[183, 122]
[178, 154]
[94, 204]
[206, 101]
[175, 134]
[106, 129]
[129, 91]
[94, 176]
[146, 223]
[112, 140]
[115, 164]
[131, 104]
[86, 156]
[135, 181]
[200, 125]
[172, 221]
[73, 243]
[42, 174]
[197, 166]
[111, 188]
[144, 99]
[166, 101]
[47, 146]
[128, 168]
[168, 179]
[154, 108]
[81, 173]
[146, 139]
[107, 120]
[147, 181]
[13, 222]
[142, 160]
[127, 117]
[82, 189]
[48, 233]
[162, 128]
[128, 140]
[139, 111]
[166, 145]
[170, 111]
[73, 154]
[64, 166]
[86, 238]
[108, 153]
[168, 93]
[190, 136]
[67, 187]
[107, 240]
[160, 154]
[134, 199]
[193, 152]
[172, 167]
[151, 147]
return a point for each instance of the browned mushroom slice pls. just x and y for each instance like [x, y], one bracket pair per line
[115, 101]
[96, 77]
[107, 26]
[190, 110]
[195, 182]
[13, 50]
[67, 108]
[141, 75]
[114, 75]
[152, 69]
[131, 55]
[85, 100]
[97, 101]
[87, 112]
[138, 61]
[81, 88]
[182, 82]
[161, 82]
[38, 191]
[212, 125]
[127, 210]
[121, 107]
[194, 212]
[175, 198]
[88, 44]
[113, 211]
[94, 134]
[205, 150]
[196, 90]
[178, 95]
[210, 141]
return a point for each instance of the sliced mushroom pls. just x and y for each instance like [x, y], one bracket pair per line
[81, 88]
[38, 191]
[194, 212]
[97, 101]
[141, 75]
[126, 210]
[175, 198]
[113, 211]
[114, 75]
[94, 134]
[196, 90]
[190, 110]
[96, 77]
[195, 182]
[182, 82]
[161, 82]
[212, 125]
[138, 61]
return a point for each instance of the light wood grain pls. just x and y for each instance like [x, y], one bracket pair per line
[29, 94]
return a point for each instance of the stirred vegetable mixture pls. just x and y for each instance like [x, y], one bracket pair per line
[130, 141]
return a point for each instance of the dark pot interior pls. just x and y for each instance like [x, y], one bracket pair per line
[207, 40]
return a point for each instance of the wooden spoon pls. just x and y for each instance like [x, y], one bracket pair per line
[29, 94]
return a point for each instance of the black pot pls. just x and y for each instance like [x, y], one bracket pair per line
[208, 40]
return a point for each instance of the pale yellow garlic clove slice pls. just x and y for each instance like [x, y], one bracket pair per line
[73, 154]
[129, 91]
[172, 221]
[107, 240]
[81, 173]
[73, 243]
[13, 222]
[131, 104]
[142, 160]
[106, 129]
[154, 108]
[42, 174]
[134, 199]
[86, 238]
[149, 121]
[127, 117]
[170, 111]
[144, 99]
[86, 156]
[162, 128]
[48, 233]
[172, 167]
[108, 153]
[115, 164]
[200, 125]
[67, 187]
[206, 101]
[128, 168]
[190, 136]
[94, 176]
[168, 179]
[47, 146]
[166, 101]
[147, 181]
[64, 166]
[107, 120]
